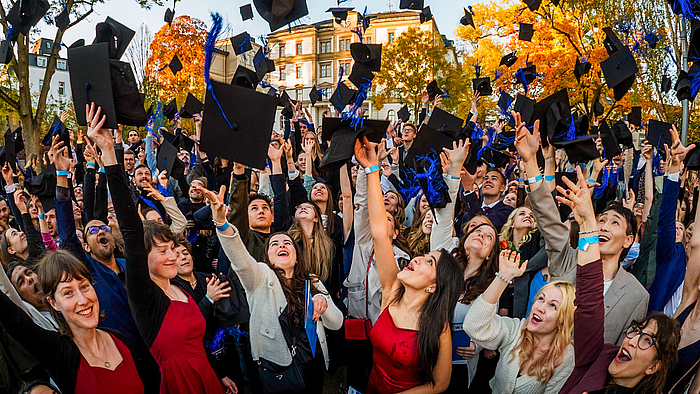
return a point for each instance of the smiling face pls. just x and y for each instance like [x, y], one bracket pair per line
[141, 175]
[319, 192]
[305, 212]
[301, 162]
[185, 264]
[196, 194]
[680, 231]
[545, 310]
[260, 215]
[524, 219]
[510, 199]
[421, 271]
[99, 240]
[281, 252]
[162, 259]
[423, 205]
[636, 357]
[391, 201]
[427, 224]
[4, 211]
[493, 184]
[480, 241]
[25, 281]
[129, 161]
[77, 302]
[689, 232]
[612, 233]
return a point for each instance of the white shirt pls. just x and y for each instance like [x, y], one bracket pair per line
[606, 286]
[674, 302]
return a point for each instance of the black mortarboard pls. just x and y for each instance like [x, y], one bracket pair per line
[433, 90]
[526, 31]
[428, 139]
[665, 84]
[635, 116]
[554, 114]
[360, 75]
[315, 95]
[43, 186]
[497, 158]
[62, 20]
[342, 96]
[611, 42]
[426, 15]
[340, 13]
[246, 12]
[611, 147]
[9, 151]
[168, 160]
[533, 5]
[57, 128]
[369, 55]
[263, 64]
[467, 19]
[278, 13]
[175, 65]
[284, 99]
[658, 134]
[683, 86]
[19, 140]
[619, 70]
[6, 52]
[581, 68]
[525, 106]
[192, 106]
[598, 108]
[182, 141]
[445, 122]
[25, 14]
[694, 44]
[404, 114]
[169, 15]
[508, 60]
[623, 134]
[251, 116]
[342, 136]
[472, 157]
[91, 82]
[411, 5]
[505, 101]
[170, 109]
[483, 86]
[242, 42]
[581, 149]
[692, 160]
[116, 35]
[245, 77]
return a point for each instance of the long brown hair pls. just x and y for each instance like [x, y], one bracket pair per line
[418, 242]
[475, 285]
[330, 205]
[317, 251]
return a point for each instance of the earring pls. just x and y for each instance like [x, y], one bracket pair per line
[394, 237]
[427, 290]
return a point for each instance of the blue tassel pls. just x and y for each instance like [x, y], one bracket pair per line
[225, 336]
[352, 114]
[652, 38]
[509, 170]
[598, 190]
[673, 57]
[216, 26]
[687, 8]
[497, 74]
[491, 134]
[520, 76]
[432, 176]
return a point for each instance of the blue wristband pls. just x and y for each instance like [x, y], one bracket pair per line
[591, 180]
[62, 173]
[223, 227]
[550, 178]
[210, 300]
[585, 241]
[372, 169]
[102, 170]
[535, 179]
[520, 180]
[454, 178]
[41, 216]
[91, 163]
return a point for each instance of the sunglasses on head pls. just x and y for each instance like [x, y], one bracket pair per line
[92, 230]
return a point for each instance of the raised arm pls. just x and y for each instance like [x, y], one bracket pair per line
[283, 219]
[238, 201]
[648, 155]
[443, 225]
[346, 195]
[35, 245]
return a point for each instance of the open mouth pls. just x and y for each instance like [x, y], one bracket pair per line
[623, 356]
[409, 267]
[103, 242]
[603, 238]
[536, 318]
[85, 312]
[282, 253]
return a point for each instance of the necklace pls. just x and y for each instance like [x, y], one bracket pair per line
[107, 364]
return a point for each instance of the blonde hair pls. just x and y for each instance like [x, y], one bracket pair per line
[543, 367]
[316, 152]
[506, 233]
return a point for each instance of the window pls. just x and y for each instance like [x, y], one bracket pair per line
[327, 92]
[283, 75]
[61, 88]
[368, 40]
[41, 83]
[345, 64]
[298, 72]
[325, 70]
[344, 44]
[282, 48]
[391, 38]
[298, 48]
[41, 61]
[300, 95]
[61, 64]
[326, 46]
[392, 116]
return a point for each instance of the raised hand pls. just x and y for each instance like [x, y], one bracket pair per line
[216, 202]
[424, 97]
[274, 151]
[217, 289]
[509, 264]
[364, 152]
[21, 201]
[526, 143]
[647, 151]
[95, 120]
[60, 155]
[678, 151]
[457, 155]
[578, 198]
[7, 174]
[89, 152]
[152, 192]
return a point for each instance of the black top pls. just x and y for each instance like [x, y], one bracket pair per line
[688, 356]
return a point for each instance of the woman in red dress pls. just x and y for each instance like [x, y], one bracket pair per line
[411, 338]
[169, 320]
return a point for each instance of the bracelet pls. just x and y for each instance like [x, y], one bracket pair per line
[503, 278]
[223, 227]
[291, 172]
[583, 243]
[535, 179]
[520, 180]
[580, 233]
[372, 169]
[62, 173]
[90, 163]
[454, 178]
[41, 216]
[210, 300]
[101, 170]
[591, 180]
[549, 178]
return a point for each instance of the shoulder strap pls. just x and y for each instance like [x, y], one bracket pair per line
[369, 264]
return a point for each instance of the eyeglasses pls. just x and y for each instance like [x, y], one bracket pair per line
[92, 230]
[645, 340]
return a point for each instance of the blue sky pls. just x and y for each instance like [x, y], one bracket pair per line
[446, 13]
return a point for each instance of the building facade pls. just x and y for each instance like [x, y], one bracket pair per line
[60, 91]
[225, 61]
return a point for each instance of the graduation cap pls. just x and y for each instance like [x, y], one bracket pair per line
[168, 160]
[508, 60]
[245, 77]
[682, 86]
[246, 12]
[598, 109]
[554, 113]
[169, 15]
[623, 133]
[496, 157]
[611, 42]
[342, 96]
[581, 68]
[533, 5]
[411, 5]
[57, 128]
[526, 31]
[242, 42]
[611, 147]
[25, 14]
[6, 52]
[278, 13]
[433, 90]
[360, 75]
[428, 139]
[369, 55]
[619, 70]
[404, 114]
[240, 130]
[91, 82]
[467, 19]
[342, 135]
[116, 35]
[43, 186]
[525, 106]
[445, 122]
[658, 134]
[62, 20]
[8, 153]
[580, 150]
[635, 116]
[192, 106]
[170, 109]
[175, 65]
[694, 43]
[315, 95]
[483, 86]
[263, 64]
[19, 140]
[284, 99]
[692, 160]
[665, 84]
[505, 100]
[340, 13]
[426, 15]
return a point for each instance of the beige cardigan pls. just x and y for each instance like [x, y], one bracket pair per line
[491, 331]
[266, 302]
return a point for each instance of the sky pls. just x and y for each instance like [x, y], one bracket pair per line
[446, 14]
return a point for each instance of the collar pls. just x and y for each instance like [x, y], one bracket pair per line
[484, 205]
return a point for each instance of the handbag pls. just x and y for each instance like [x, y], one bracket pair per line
[360, 328]
[276, 379]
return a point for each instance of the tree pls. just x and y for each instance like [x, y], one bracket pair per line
[138, 52]
[32, 112]
[184, 38]
[414, 59]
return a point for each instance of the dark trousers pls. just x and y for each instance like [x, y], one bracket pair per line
[358, 356]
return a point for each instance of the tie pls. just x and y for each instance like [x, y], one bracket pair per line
[486, 208]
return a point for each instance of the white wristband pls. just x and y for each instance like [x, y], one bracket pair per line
[10, 188]
[675, 177]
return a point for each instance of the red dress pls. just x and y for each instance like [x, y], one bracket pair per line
[123, 380]
[179, 351]
[395, 355]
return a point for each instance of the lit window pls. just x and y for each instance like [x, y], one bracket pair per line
[368, 40]
[298, 48]
[298, 72]
[325, 70]
[283, 75]
[61, 88]
[41, 61]
[282, 47]
[391, 38]
[326, 46]
[300, 94]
